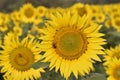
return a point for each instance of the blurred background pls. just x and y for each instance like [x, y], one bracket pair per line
[10, 5]
[7, 6]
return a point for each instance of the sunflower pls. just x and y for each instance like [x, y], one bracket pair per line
[17, 56]
[81, 9]
[113, 70]
[53, 10]
[116, 23]
[115, 8]
[41, 11]
[27, 13]
[108, 23]
[4, 19]
[3, 27]
[100, 17]
[15, 17]
[95, 9]
[111, 53]
[71, 43]
[115, 15]
[17, 30]
[107, 9]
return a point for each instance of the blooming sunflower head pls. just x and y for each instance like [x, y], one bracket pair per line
[111, 53]
[113, 70]
[115, 15]
[116, 23]
[81, 9]
[41, 11]
[15, 16]
[99, 17]
[4, 20]
[108, 23]
[107, 9]
[27, 13]
[17, 30]
[17, 57]
[71, 43]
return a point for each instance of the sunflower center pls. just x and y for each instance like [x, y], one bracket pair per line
[40, 11]
[117, 22]
[117, 73]
[82, 11]
[29, 12]
[21, 58]
[117, 55]
[70, 43]
[116, 15]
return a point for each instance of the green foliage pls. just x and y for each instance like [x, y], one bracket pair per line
[95, 76]
[112, 36]
[40, 64]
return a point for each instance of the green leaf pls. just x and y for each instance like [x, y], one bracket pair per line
[95, 76]
[40, 64]
[115, 33]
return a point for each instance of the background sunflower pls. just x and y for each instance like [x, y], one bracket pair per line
[111, 26]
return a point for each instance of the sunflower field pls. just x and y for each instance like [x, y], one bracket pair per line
[59, 40]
